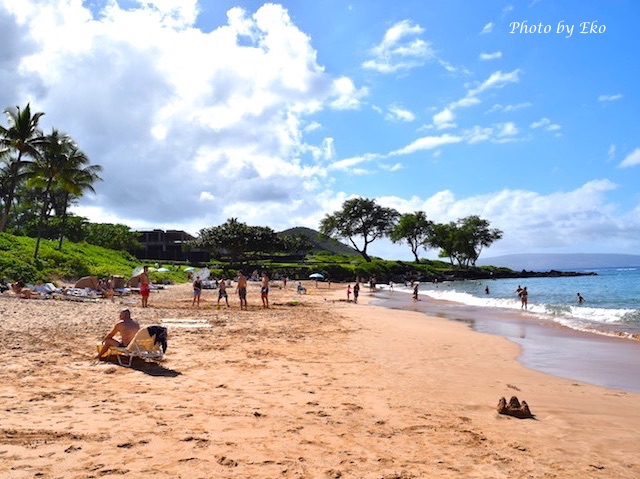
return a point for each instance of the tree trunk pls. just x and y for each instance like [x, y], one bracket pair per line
[64, 220]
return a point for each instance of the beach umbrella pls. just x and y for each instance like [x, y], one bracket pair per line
[203, 274]
[316, 276]
[189, 269]
[163, 270]
[137, 271]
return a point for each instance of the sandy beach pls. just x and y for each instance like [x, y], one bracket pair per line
[313, 387]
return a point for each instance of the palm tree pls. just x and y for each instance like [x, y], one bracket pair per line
[23, 136]
[75, 179]
[61, 166]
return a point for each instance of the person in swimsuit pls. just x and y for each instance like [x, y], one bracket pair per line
[242, 290]
[356, 292]
[222, 292]
[197, 290]
[524, 298]
[145, 289]
[264, 290]
[125, 330]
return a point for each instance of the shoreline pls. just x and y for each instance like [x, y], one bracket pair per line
[598, 359]
[314, 387]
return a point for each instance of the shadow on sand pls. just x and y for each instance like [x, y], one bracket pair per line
[147, 367]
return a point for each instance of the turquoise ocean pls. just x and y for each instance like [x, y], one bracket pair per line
[597, 341]
[611, 306]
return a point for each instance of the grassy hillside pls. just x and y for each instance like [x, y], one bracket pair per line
[74, 261]
[82, 259]
[320, 242]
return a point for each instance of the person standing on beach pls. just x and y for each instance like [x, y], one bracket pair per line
[125, 329]
[197, 291]
[524, 298]
[348, 293]
[264, 290]
[415, 291]
[145, 288]
[356, 292]
[242, 290]
[222, 292]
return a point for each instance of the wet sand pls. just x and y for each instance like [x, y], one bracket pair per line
[545, 346]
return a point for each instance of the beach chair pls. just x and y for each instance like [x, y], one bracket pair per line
[149, 344]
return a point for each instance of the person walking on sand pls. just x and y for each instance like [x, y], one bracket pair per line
[524, 298]
[264, 290]
[125, 330]
[222, 292]
[242, 290]
[415, 291]
[145, 288]
[348, 293]
[356, 292]
[197, 291]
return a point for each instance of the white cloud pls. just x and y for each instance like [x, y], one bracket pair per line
[348, 97]
[496, 80]
[578, 220]
[490, 56]
[397, 113]
[400, 49]
[488, 28]
[166, 107]
[508, 108]
[605, 98]
[545, 124]
[508, 129]
[444, 119]
[426, 143]
[632, 159]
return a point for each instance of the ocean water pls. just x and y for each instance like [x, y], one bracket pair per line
[611, 306]
[597, 342]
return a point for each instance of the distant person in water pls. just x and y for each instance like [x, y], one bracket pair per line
[580, 298]
[524, 298]
[486, 290]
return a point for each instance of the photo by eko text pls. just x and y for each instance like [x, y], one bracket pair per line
[586, 28]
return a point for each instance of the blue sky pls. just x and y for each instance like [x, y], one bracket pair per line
[276, 113]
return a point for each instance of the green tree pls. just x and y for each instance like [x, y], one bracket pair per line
[474, 235]
[360, 217]
[237, 241]
[19, 143]
[414, 229]
[60, 166]
[464, 239]
[445, 238]
[112, 236]
[76, 178]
